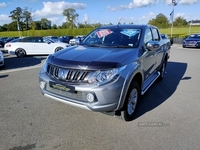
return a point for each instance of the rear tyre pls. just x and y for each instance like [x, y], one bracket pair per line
[20, 52]
[58, 49]
[3, 65]
[163, 70]
[130, 105]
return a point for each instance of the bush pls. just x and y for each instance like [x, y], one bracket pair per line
[52, 32]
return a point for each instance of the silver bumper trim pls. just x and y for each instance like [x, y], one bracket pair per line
[67, 102]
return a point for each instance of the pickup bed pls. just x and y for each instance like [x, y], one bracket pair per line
[108, 71]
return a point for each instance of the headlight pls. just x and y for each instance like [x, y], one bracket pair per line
[45, 65]
[104, 76]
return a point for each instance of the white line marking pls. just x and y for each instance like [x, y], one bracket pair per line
[20, 69]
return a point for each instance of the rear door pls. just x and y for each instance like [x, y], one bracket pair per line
[159, 52]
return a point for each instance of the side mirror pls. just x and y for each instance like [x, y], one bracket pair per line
[153, 45]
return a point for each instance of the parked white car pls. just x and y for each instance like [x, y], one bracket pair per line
[1, 59]
[76, 40]
[34, 46]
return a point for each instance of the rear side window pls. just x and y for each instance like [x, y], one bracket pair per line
[31, 39]
[22, 40]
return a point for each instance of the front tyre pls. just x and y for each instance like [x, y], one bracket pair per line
[132, 99]
[20, 52]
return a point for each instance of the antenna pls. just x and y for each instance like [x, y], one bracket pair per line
[119, 21]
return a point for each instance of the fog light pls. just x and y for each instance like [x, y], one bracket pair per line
[42, 84]
[90, 97]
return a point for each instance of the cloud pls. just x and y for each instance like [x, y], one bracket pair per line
[4, 19]
[148, 16]
[188, 16]
[180, 15]
[3, 5]
[187, 2]
[86, 18]
[168, 2]
[134, 4]
[53, 20]
[127, 20]
[145, 3]
[56, 8]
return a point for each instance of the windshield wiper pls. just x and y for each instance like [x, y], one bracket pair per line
[122, 46]
[93, 45]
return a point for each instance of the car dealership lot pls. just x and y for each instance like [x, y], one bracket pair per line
[168, 115]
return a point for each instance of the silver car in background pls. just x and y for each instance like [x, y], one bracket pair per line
[1, 59]
[76, 40]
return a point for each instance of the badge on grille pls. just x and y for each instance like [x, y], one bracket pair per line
[62, 74]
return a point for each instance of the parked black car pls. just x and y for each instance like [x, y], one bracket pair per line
[167, 39]
[66, 39]
[5, 40]
[192, 41]
[2, 41]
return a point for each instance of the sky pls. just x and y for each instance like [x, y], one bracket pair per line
[102, 11]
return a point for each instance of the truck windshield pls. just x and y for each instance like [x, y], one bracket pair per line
[113, 38]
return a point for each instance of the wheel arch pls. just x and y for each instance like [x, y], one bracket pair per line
[165, 58]
[135, 77]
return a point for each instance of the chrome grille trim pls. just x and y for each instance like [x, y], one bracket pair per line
[69, 75]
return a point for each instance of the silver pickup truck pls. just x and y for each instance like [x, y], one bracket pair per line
[108, 71]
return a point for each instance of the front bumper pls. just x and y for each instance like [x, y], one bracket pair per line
[107, 96]
[191, 44]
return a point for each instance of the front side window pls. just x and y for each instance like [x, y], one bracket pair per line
[156, 36]
[114, 37]
[148, 36]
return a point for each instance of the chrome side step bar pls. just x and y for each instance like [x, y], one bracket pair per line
[150, 81]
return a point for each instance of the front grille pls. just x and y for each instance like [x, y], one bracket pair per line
[191, 42]
[68, 75]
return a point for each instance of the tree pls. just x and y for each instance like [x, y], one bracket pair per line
[82, 25]
[12, 26]
[45, 24]
[180, 22]
[3, 28]
[26, 15]
[35, 25]
[54, 26]
[71, 17]
[16, 15]
[64, 25]
[22, 18]
[160, 21]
